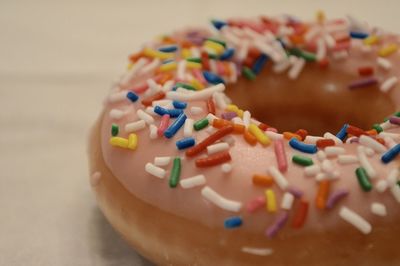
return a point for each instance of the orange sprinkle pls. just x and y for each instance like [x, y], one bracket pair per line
[290, 135]
[186, 44]
[263, 126]
[262, 180]
[381, 141]
[250, 138]
[302, 133]
[322, 143]
[149, 100]
[165, 77]
[134, 57]
[214, 159]
[296, 39]
[211, 106]
[237, 128]
[323, 63]
[372, 132]
[322, 194]
[227, 68]
[355, 131]
[301, 215]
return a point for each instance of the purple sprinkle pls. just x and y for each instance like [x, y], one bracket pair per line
[394, 120]
[335, 197]
[228, 115]
[295, 192]
[363, 83]
[277, 225]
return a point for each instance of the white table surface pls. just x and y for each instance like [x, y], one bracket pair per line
[57, 61]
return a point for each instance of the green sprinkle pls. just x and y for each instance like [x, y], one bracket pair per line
[397, 114]
[212, 56]
[194, 59]
[398, 183]
[303, 54]
[114, 130]
[378, 128]
[302, 160]
[185, 86]
[217, 41]
[363, 179]
[248, 73]
[200, 124]
[175, 173]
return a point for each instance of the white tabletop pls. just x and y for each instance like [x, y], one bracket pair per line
[57, 61]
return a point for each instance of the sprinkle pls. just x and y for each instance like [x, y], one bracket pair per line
[162, 161]
[257, 251]
[388, 156]
[335, 197]
[378, 209]
[179, 104]
[128, 77]
[329, 135]
[347, 159]
[280, 155]
[358, 35]
[296, 69]
[363, 83]
[135, 126]
[195, 110]
[228, 115]
[394, 120]
[395, 189]
[260, 136]
[119, 142]
[312, 139]
[323, 143]
[300, 146]
[365, 71]
[277, 225]
[279, 179]
[149, 100]
[132, 141]
[287, 201]
[188, 128]
[222, 132]
[226, 168]
[248, 73]
[270, 200]
[381, 186]
[255, 204]
[168, 67]
[213, 160]
[163, 125]
[384, 63]
[144, 116]
[153, 131]
[155, 170]
[322, 194]
[334, 151]
[211, 106]
[168, 49]
[363, 179]
[227, 54]
[259, 64]
[175, 173]
[300, 215]
[355, 219]
[371, 143]
[393, 176]
[157, 54]
[321, 155]
[175, 126]
[342, 132]
[220, 201]
[312, 170]
[262, 180]
[193, 181]
[200, 124]
[185, 143]
[218, 147]
[302, 160]
[387, 50]
[233, 222]
[212, 78]
[388, 84]
[197, 95]
[114, 130]
[133, 97]
[370, 40]
[362, 157]
[116, 114]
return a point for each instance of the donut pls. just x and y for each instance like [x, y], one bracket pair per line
[255, 141]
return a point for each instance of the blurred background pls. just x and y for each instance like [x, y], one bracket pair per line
[57, 61]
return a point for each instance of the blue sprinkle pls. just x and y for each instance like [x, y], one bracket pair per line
[342, 132]
[168, 49]
[358, 35]
[301, 146]
[233, 222]
[175, 126]
[218, 24]
[212, 78]
[171, 112]
[228, 53]
[179, 105]
[132, 96]
[175, 112]
[185, 143]
[259, 64]
[388, 156]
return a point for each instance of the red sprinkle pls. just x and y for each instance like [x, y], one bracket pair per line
[322, 143]
[205, 61]
[214, 159]
[263, 126]
[301, 215]
[149, 100]
[355, 131]
[211, 106]
[302, 133]
[163, 125]
[365, 71]
[323, 63]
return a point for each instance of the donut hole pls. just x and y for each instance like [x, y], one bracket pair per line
[318, 101]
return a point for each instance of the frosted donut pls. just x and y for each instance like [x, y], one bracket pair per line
[200, 155]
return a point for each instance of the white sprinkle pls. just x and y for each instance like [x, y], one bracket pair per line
[162, 161]
[242, 51]
[388, 84]
[162, 103]
[362, 157]
[296, 69]
[321, 176]
[218, 147]
[153, 132]
[327, 166]
[321, 155]
[329, 135]
[356, 220]
[117, 97]
[188, 128]
[150, 66]
[246, 118]
[287, 201]
[381, 185]
[145, 116]
[193, 181]
[180, 72]
[268, 50]
[369, 152]
[329, 40]
[311, 33]
[116, 114]
[371, 143]
[279, 179]
[347, 159]
[210, 117]
[273, 135]
[154, 87]
[281, 66]
[384, 63]
[195, 110]
[155, 170]
[135, 126]
[229, 139]
[395, 189]
[257, 251]
[226, 168]
[389, 142]
[312, 139]
[340, 55]
[219, 100]
[127, 78]
[312, 170]
[332, 151]
[385, 126]
[393, 176]
[378, 209]
[198, 95]
[168, 86]
[220, 201]
[394, 136]
[150, 111]
[95, 178]
[321, 49]
[237, 120]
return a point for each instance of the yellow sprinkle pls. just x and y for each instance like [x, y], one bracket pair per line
[320, 15]
[186, 53]
[129, 66]
[132, 141]
[119, 142]
[388, 50]
[197, 84]
[234, 108]
[217, 47]
[373, 39]
[193, 65]
[270, 200]
[157, 54]
[168, 67]
[260, 136]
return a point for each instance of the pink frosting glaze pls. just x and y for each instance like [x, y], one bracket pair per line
[129, 168]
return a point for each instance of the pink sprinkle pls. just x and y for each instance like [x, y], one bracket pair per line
[199, 76]
[255, 204]
[221, 68]
[272, 129]
[164, 123]
[141, 88]
[280, 155]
